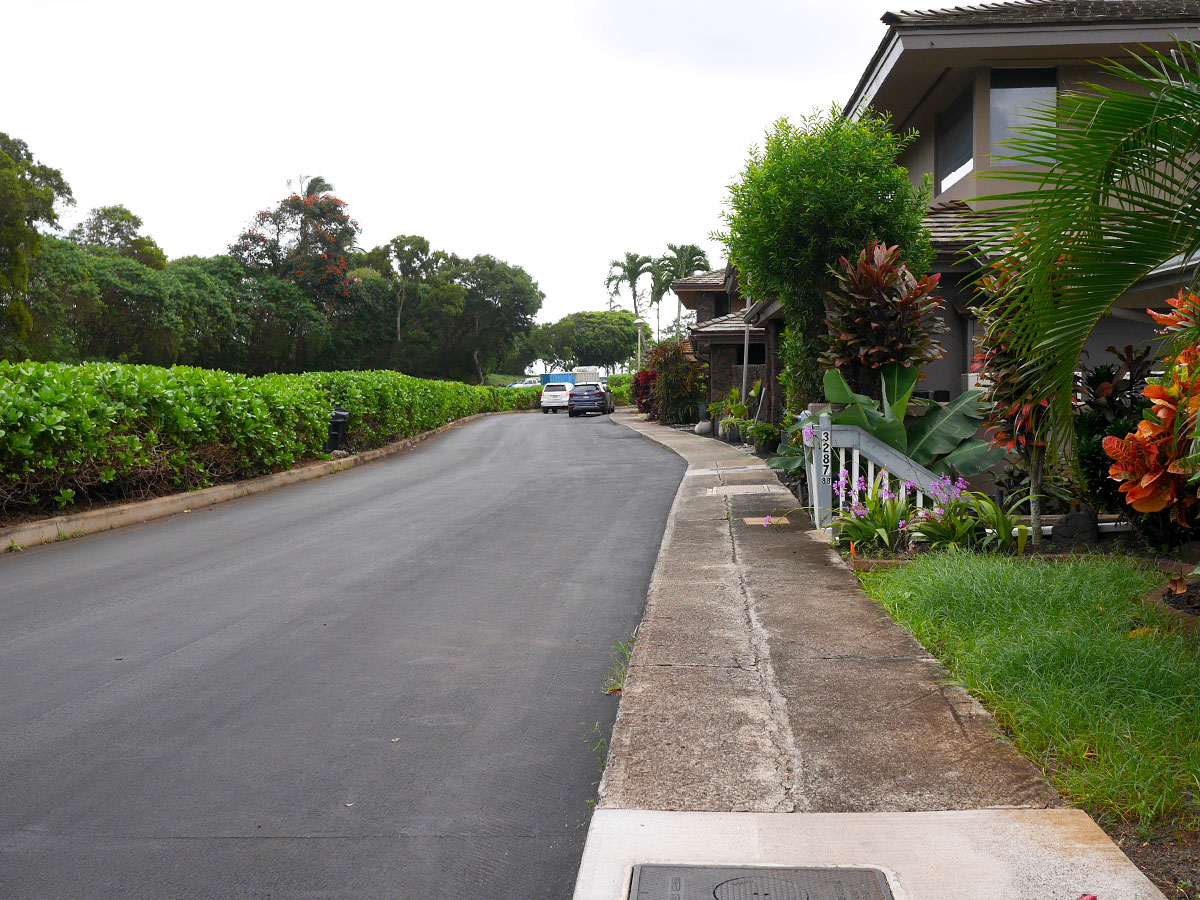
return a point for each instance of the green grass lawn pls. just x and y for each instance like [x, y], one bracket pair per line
[1091, 685]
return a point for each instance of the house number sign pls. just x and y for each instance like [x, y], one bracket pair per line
[826, 439]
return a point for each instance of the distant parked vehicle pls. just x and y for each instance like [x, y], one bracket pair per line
[526, 382]
[554, 396]
[591, 397]
[587, 375]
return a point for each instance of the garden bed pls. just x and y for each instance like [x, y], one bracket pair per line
[1097, 688]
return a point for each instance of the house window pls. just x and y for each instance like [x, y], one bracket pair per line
[955, 133]
[1015, 94]
[758, 354]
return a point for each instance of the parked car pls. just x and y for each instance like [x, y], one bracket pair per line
[526, 382]
[589, 397]
[555, 396]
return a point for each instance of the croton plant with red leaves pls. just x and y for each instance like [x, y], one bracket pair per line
[1154, 464]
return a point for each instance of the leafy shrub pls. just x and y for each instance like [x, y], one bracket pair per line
[878, 314]
[679, 382]
[642, 390]
[621, 386]
[104, 430]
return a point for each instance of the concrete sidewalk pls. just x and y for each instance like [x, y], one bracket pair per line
[775, 715]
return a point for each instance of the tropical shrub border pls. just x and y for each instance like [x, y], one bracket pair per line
[103, 431]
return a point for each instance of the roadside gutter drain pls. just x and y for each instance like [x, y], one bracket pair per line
[756, 883]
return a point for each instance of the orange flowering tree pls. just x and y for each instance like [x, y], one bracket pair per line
[1156, 463]
[306, 239]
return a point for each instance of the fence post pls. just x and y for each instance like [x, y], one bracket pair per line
[823, 489]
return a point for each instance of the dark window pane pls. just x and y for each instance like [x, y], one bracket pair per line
[1015, 93]
[954, 141]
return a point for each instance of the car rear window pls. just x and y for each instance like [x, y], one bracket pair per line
[554, 388]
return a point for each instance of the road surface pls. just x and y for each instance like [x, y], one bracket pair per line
[379, 684]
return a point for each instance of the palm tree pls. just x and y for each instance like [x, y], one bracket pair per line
[1115, 192]
[661, 276]
[629, 271]
[684, 261]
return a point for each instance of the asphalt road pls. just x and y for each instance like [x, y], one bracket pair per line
[375, 685]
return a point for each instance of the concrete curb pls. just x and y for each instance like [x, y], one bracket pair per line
[60, 528]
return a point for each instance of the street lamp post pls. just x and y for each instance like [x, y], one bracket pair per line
[640, 324]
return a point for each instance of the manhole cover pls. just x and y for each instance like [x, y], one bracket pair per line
[749, 883]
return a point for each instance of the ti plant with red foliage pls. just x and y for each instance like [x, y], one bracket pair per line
[642, 391]
[1156, 463]
[879, 314]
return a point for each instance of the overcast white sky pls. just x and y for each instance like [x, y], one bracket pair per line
[553, 135]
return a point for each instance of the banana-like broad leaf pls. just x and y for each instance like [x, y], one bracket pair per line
[863, 411]
[969, 458]
[898, 384]
[944, 428]
[785, 463]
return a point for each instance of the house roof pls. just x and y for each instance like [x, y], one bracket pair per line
[705, 281]
[730, 325]
[954, 226]
[1047, 12]
[921, 45]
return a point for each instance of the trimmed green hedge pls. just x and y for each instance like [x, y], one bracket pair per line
[105, 430]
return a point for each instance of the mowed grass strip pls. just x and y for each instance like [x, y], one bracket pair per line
[1093, 686]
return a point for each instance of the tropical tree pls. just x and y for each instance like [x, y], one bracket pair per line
[1121, 197]
[684, 261]
[815, 192]
[28, 192]
[117, 229]
[661, 277]
[629, 271]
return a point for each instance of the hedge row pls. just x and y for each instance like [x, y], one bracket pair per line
[104, 430]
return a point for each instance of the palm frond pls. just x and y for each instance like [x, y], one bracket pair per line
[1114, 192]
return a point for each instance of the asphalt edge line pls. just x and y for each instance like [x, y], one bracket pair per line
[62, 528]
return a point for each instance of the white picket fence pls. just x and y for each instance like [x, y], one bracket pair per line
[832, 449]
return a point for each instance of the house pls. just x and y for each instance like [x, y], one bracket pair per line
[721, 337]
[963, 77]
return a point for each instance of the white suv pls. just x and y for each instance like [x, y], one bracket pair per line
[554, 396]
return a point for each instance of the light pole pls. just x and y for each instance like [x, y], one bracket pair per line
[639, 323]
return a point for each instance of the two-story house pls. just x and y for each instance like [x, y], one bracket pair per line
[734, 352]
[964, 78]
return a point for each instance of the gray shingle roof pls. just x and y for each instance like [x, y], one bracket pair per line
[705, 281]
[731, 323]
[1048, 12]
[954, 225]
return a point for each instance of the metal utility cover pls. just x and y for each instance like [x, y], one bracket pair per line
[754, 883]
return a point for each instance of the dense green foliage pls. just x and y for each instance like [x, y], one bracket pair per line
[622, 389]
[28, 192]
[292, 295]
[104, 430]
[1093, 686]
[605, 339]
[816, 192]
